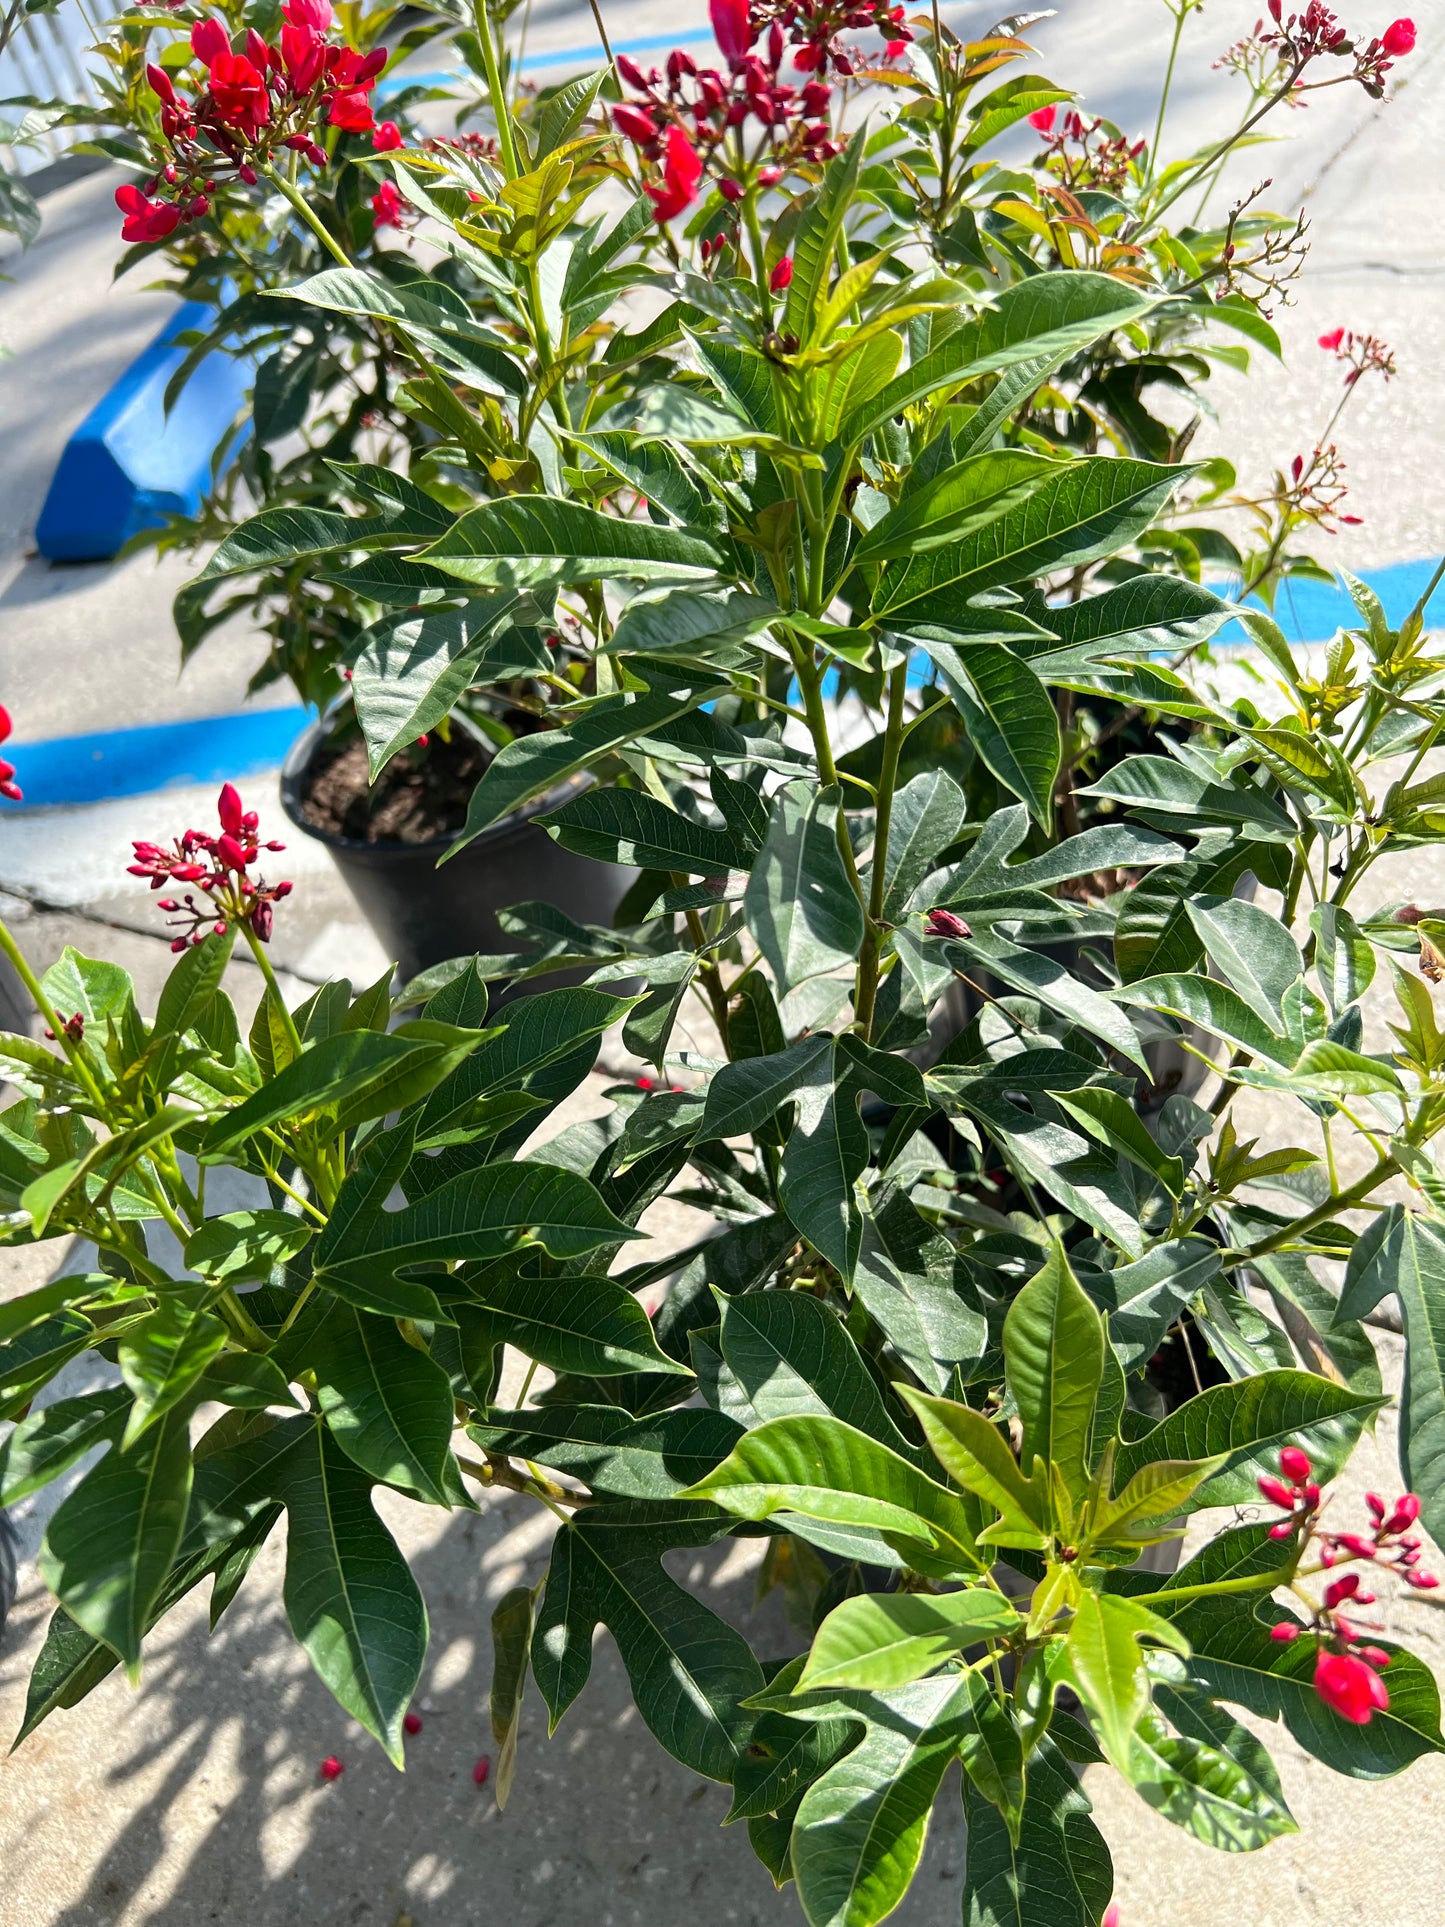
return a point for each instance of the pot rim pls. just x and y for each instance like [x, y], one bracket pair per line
[299, 756]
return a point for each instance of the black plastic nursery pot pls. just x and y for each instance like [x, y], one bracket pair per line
[425, 915]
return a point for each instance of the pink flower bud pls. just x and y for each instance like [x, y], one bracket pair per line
[1353, 1689]
[1345, 1587]
[1276, 1493]
[782, 275]
[482, 1770]
[1405, 1514]
[943, 923]
[1285, 1631]
[1294, 1464]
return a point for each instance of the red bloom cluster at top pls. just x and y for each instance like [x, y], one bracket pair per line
[688, 120]
[1300, 38]
[257, 98]
[218, 866]
[9, 788]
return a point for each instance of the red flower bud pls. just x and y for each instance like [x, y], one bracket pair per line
[634, 123]
[782, 274]
[1276, 1493]
[1345, 1587]
[331, 1768]
[731, 27]
[1285, 1631]
[1353, 1689]
[387, 138]
[411, 1722]
[1294, 1464]
[1398, 38]
[1405, 1514]
[943, 923]
[482, 1770]
[230, 811]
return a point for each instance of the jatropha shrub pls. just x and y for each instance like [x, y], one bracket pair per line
[816, 426]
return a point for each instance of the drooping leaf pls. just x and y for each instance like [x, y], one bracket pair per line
[386, 1403]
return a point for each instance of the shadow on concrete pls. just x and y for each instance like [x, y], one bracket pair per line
[214, 1767]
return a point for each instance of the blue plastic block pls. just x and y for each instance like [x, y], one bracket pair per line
[129, 464]
[156, 756]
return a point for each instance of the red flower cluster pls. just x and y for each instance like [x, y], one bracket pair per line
[1303, 37]
[1347, 1671]
[1365, 354]
[1084, 153]
[218, 866]
[689, 120]
[255, 100]
[9, 788]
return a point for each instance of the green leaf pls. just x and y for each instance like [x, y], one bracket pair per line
[1149, 615]
[1053, 1341]
[791, 1353]
[536, 541]
[1412, 1257]
[512, 1618]
[1202, 1790]
[479, 1214]
[245, 1247]
[1045, 315]
[249, 1380]
[1247, 1422]
[413, 672]
[1106, 1665]
[879, 1641]
[350, 1596]
[905, 1279]
[955, 504]
[193, 982]
[111, 1542]
[860, 1829]
[825, 1155]
[628, 826]
[608, 1449]
[592, 1326]
[992, 1751]
[1160, 784]
[31, 1308]
[69, 1665]
[1214, 1007]
[1009, 717]
[976, 1456]
[161, 1359]
[928, 813]
[817, 237]
[1344, 956]
[1084, 510]
[689, 1671]
[687, 623]
[528, 765]
[360, 1073]
[744, 1095]
[1058, 1872]
[1114, 1121]
[49, 1441]
[1234, 1658]
[784, 1757]
[800, 905]
[387, 1404]
[827, 1470]
[1252, 949]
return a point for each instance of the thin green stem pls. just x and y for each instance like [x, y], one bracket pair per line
[867, 990]
[1260, 1582]
[501, 108]
[42, 1003]
[1181, 14]
[264, 965]
[1383, 1168]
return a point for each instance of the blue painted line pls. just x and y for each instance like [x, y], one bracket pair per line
[1313, 611]
[156, 756]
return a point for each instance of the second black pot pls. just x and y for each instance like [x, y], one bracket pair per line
[424, 915]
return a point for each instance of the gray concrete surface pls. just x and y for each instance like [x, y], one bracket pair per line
[196, 1798]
